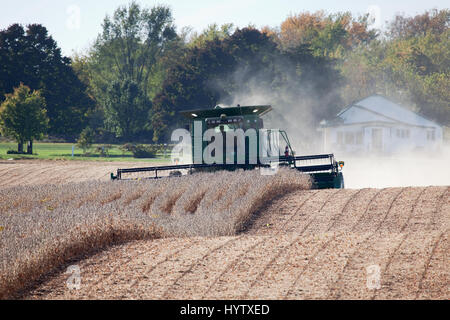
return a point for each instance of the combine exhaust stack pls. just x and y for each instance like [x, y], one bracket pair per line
[245, 153]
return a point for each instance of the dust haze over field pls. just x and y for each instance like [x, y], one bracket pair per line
[296, 94]
[400, 170]
[368, 170]
[294, 110]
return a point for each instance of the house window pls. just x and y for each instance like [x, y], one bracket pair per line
[431, 136]
[403, 133]
[349, 138]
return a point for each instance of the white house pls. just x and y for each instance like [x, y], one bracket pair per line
[376, 124]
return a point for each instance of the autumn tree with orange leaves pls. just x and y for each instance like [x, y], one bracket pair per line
[328, 35]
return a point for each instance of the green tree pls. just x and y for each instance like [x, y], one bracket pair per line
[411, 65]
[127, 109]
[86, 139]
[130, 44]
[23, 116]
[136, 46]
[246, 68]
[32, 57]
[212, 32]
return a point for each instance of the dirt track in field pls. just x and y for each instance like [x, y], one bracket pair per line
[306, 245]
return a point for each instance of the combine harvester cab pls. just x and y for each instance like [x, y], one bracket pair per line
[250, 146]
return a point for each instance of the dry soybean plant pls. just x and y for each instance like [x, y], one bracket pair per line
[44, 227]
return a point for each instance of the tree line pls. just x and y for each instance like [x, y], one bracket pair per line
[140, 72]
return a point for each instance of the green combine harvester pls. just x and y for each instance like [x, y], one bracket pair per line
[250, 146]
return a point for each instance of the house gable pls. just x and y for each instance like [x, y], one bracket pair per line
[378, 109]
[381, 105]
[355, 114]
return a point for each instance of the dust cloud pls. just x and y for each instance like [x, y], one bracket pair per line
[292, 111]
[413, 169]
[295, 111]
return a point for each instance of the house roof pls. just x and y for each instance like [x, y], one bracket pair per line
[230, 111]
[377, 108]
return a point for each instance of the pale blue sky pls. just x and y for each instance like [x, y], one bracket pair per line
[72, 33]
